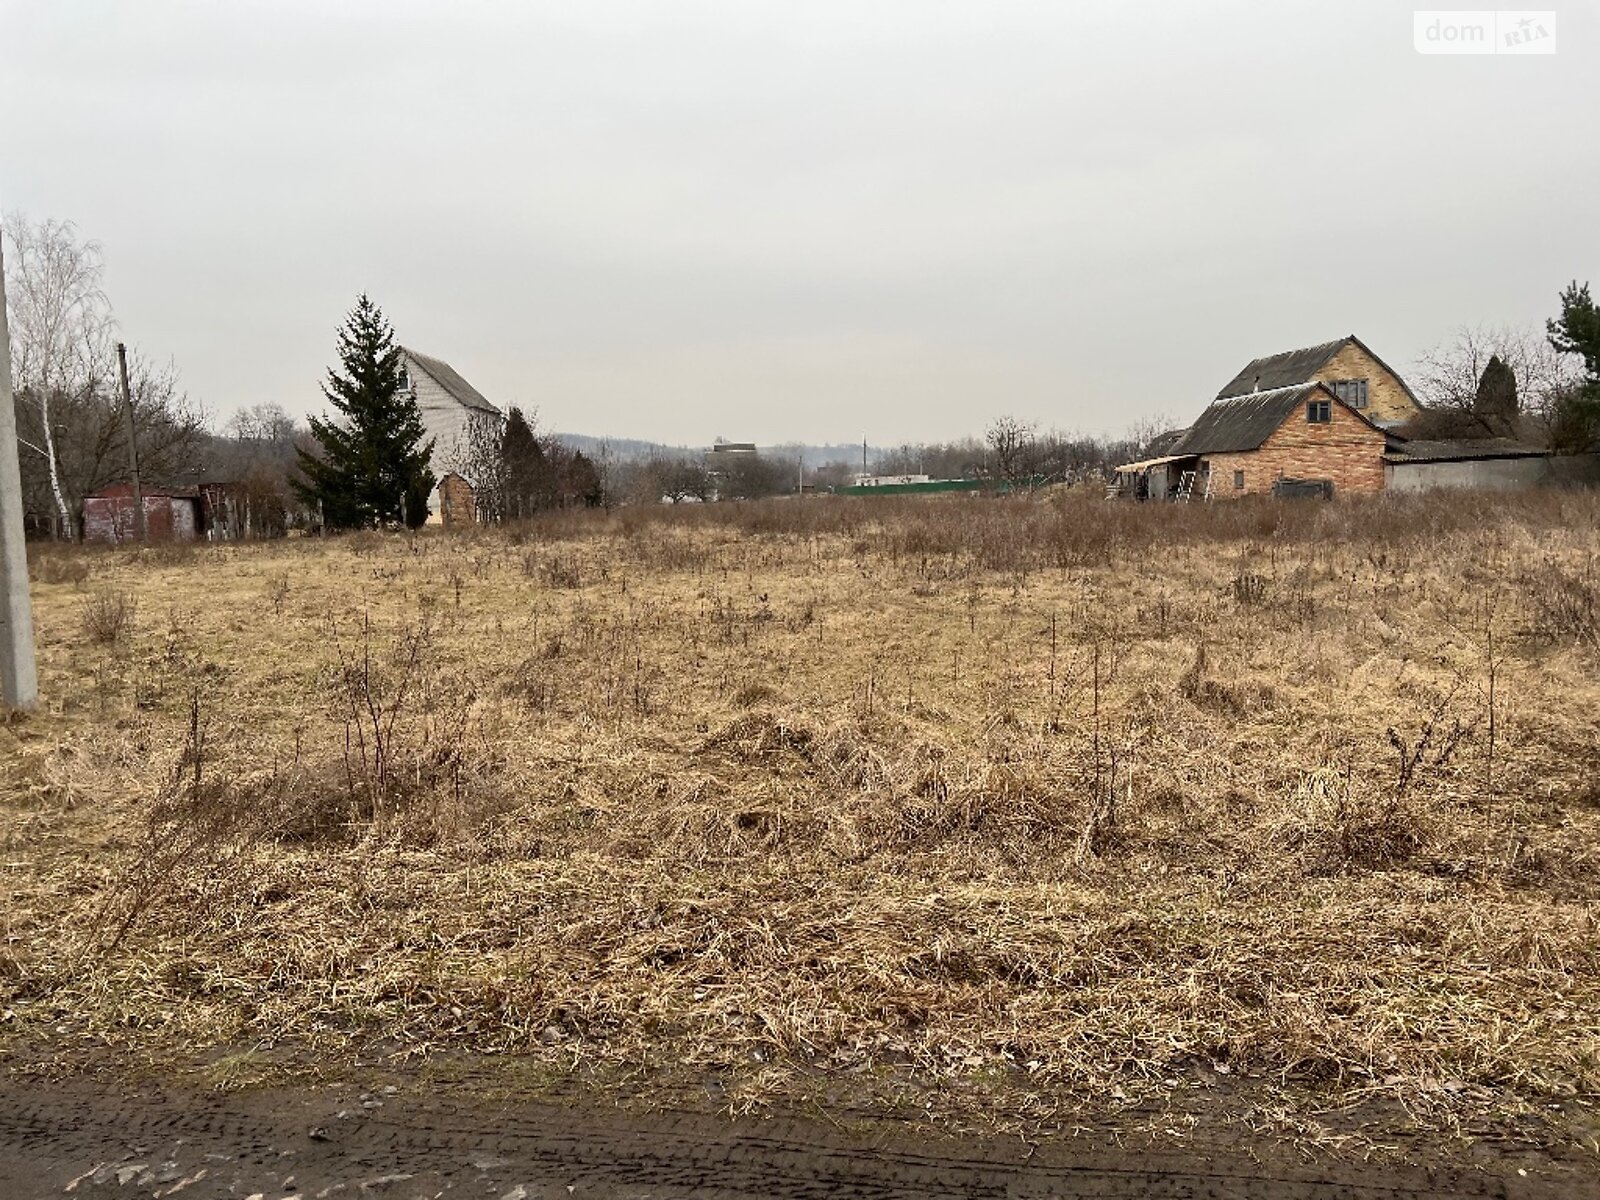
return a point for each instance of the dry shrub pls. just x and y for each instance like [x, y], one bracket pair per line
[407, 764]
[1249, 589]
[760, 736]
[877, 790]
[193, 824]
[1197, 685]
[555, 570]
[1194, 685]
[108, 616]
[533, 682]
[1072, 529]
[752, 694]
[1337, 827]
[662, 549]
[1563, 602]
[278, 593]
[59, 567]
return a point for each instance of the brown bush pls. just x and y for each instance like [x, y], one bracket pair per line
[108, 616]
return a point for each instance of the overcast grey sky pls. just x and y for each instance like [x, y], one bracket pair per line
[896, 219]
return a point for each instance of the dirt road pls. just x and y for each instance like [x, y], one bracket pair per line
[92, 1140]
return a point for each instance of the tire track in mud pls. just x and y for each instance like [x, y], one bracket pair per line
[105, 1141]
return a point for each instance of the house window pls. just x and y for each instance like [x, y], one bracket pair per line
[1238, 481]
[1319, 412]
[405, 379]
[1352, 391]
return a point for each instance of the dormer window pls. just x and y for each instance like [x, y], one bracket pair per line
[1352, 391]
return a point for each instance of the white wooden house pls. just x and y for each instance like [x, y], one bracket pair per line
[456, 415]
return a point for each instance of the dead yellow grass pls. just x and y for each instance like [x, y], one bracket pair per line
[985, 808]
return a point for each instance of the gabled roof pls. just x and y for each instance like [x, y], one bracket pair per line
[1298, 366]
[1242, 423]
[447, 377]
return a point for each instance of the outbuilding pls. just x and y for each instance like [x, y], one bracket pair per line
[1492, 464]
[169, 515]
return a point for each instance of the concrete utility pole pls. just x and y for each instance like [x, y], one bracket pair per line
[133, 446]
[19, 674]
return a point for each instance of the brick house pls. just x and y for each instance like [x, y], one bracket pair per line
[1285, 441]
[1318, 419]
[1357, 376]
[1270, 441]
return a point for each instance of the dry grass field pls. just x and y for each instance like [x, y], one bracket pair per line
[1007, 814]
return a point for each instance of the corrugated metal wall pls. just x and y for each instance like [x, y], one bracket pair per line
[167, 518]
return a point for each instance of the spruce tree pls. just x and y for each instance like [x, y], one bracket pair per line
[583, 481]
[525, 466]
[1576, 417]
[373, 467]
[1577, 330]
[1496, 399]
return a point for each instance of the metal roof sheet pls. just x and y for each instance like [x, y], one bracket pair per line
[1461, 450]
[451, 381]
[1280, 370]
[1290, 367]
[1242, 423]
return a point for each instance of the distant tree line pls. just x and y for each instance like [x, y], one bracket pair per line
[1541, 387]
[1017, 452]
[369, 464]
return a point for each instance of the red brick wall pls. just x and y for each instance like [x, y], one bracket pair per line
[1346, 450]
[457, 503]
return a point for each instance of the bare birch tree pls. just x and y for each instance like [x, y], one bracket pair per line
[61, 330]
[71, 422]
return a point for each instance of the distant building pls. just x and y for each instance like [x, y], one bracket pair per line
[457, 416]
[1315, 421]
[1293, 440]
[888, 480]
[1486, 464]
[170, 515]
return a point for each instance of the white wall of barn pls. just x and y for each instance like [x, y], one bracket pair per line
[443, 416]
[448, 422]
